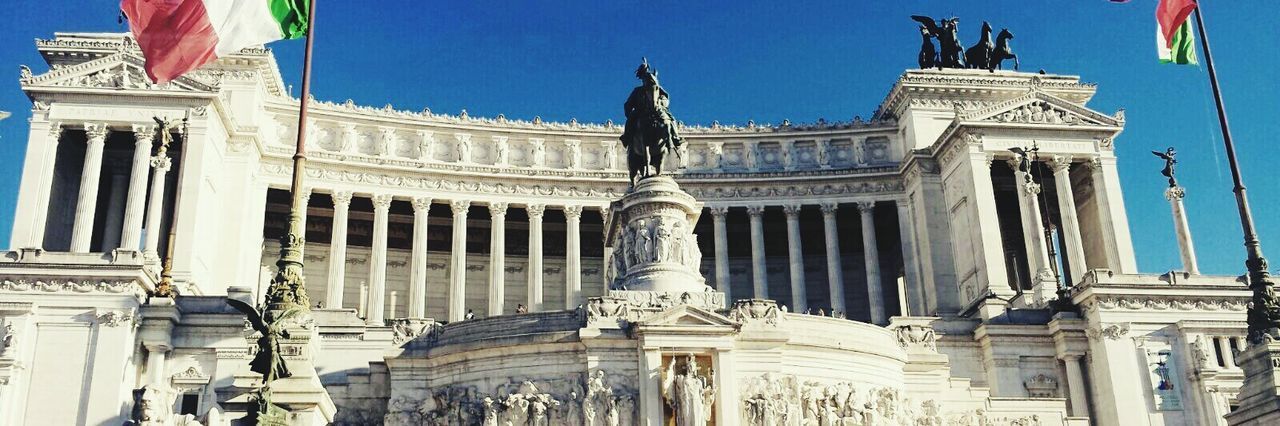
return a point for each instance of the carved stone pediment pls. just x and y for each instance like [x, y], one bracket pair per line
[123, 70]
[682, 316]
[1038, 107]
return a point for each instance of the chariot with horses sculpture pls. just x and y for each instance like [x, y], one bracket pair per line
[987, 54]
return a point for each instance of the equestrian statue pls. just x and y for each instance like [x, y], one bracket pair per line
[651, 131]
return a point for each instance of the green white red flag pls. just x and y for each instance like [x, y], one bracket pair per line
[1174, 41]
[177, 36]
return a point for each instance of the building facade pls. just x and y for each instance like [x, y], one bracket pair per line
[910, 248]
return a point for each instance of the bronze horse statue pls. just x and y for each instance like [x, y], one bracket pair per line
[651, 130]
[979, 56]
[928, 55]
[1002, 51]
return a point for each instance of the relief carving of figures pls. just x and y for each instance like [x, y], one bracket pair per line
[10, 341]
[573, 153]
[500, 150]
[750, 310]
[463, 148]
[426, 145]
[349, 139]
[644, 243]
[153, 406]
[917, 335]
[752, 160]
[1199, 356]
[662, 243]
[860, 152]
[823, 146]
[610, 154]
[689, 392]
[537, 152]
[598, 407]
[386, 143]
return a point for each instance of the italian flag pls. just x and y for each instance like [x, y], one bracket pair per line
[1174, 42]
[177, 36]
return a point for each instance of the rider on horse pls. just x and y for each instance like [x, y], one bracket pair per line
[651, 129]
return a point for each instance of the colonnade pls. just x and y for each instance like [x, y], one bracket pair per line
[835, 269]
[376, 309]
[137, 204]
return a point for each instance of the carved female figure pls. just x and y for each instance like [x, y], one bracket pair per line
[664, 240]
[644, 244]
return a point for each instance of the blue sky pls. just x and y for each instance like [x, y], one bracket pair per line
[768, 61]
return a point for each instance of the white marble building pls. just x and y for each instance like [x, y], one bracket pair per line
[917, 250]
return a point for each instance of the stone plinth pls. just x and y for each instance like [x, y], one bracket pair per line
[651, 233]
[1260, 396]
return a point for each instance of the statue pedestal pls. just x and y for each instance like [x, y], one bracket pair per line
[651, 233]
[302, 397]
[1260, 395]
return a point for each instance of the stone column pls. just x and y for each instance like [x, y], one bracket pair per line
[1044, 284]
[573, 257]
[42, 150]
[990, 259]
[871, 254]
[759, 273]
[156, 355]
[87, 203]
[418, 259]
[722, 252]
[458, 261]
[160, 164]
[1111, 215]
[337, 250]
[114, 222]
[835, 270]
[535, 212]
[1070, 223]
[131, 235]
[1185, 247]
[726, 382]
[649, 411]
[1076, 385]
[497, 256]
[378, 261]
[306, 203]
[915, 296]
[799, 300]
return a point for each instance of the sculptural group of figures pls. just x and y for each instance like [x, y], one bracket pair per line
[657, 239]
[783, 401]
[689, 392]
[590, 402]
[986, 54]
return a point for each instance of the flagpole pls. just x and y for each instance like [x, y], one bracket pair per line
[287, 290]
[1260, 318]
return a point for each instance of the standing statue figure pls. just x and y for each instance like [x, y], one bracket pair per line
[979, 56]
[269, 361]
[690, 393]
[650, 132]
[951, 53]
[1170, 162]
[1002, 51]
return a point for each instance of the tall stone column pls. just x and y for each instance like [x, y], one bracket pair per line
[1111, 214]
[759, 273]
[916, 299]
[1185, 247]
[42, 151]
[535, 212]
[835, 270]
[87, 203]
[418, 259]
[114, 222]
[458, 261]
[160, 164]
[990, 262]
[338, 250]
[1070, 223]
[497, 257]
[573, 257]
[306, 202]
[378, 261]
[795, 254]
[871, 254]
[1044, 284]
[722, 252]
[131, 235]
